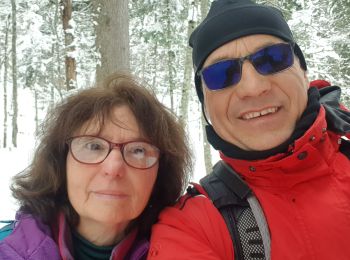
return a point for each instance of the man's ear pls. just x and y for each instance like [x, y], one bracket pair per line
[306, 78]
[205, 112]
[203, 102]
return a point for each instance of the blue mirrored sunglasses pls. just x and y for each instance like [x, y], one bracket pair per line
[266, 61]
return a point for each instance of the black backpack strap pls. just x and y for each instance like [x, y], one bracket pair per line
[345, 147]
[230, 194]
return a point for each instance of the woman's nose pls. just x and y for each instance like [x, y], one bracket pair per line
[114, 164]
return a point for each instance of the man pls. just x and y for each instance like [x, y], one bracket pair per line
[281, 136]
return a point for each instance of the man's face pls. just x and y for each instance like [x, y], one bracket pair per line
[260, 112]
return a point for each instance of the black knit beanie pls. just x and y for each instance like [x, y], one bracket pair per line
[228, 20]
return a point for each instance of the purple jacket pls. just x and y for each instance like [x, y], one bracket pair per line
[33, 240]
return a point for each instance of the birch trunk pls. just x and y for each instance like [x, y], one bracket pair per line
[207, 151]
[6, 64]
[14, 74]
[36, 117]
[206, 146]
[186, 86]
[170, 56]
[56, 77]
[155, 63]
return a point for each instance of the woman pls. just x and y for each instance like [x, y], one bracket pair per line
[110, 158]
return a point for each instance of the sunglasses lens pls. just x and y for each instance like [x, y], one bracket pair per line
[273, 59]
[269, 60]
[222, 74]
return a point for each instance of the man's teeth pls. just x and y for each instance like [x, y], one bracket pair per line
[260, 113]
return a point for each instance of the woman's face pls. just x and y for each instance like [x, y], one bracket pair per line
[110, 194]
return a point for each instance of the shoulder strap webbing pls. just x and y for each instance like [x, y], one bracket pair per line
[345, 147]
[241, 211]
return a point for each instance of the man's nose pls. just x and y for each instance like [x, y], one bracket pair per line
[252, 83]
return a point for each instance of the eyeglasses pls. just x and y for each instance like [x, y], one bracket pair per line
[266, 61]
[90, 149]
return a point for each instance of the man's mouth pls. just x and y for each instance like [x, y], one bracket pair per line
[256, 114]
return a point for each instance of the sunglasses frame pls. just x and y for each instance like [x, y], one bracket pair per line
[249, 58]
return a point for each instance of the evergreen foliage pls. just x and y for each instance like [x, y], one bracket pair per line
[158, 44]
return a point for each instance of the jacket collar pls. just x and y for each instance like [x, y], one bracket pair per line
[128, 248]
[308, 157]
[319, 93]
[233, 151]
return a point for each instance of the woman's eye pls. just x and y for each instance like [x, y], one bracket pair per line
[94, 146]
[138, 151]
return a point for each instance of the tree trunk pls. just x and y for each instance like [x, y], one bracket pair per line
[14, 75]
[71, 72]
[55, 71]
[170, 56]
[155, 63]
[186, 86]
[4, 144]
[204, 5]
[206, 146]
[155, 66]
[36, 117]
[112, 36]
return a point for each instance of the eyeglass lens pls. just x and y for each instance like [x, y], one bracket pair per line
[269, 60]
[93, 150]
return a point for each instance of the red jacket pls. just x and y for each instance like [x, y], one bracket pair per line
[305, 197]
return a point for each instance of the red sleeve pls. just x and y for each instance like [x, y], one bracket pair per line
[195, 231]
[319, 83]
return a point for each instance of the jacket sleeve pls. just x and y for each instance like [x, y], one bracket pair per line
[194, 230]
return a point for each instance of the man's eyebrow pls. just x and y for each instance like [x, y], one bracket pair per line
[223, 57]
[220, 58]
